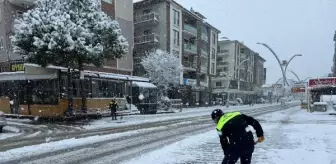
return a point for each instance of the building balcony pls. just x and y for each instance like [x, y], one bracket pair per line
[222, 64]
[191, 66]
[204, 53]
[205, 37]
[147, 19]
[190, 29]
[144, 39]
[223, 54]
[204, 69]
[191, 48]
[23, 3]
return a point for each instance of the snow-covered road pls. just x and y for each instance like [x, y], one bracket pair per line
[113, 148]
[31, 134]
[292, 136]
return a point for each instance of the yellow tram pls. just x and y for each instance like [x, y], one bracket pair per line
[38, 91]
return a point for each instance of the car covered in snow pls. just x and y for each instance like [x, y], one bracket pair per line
[3, 121]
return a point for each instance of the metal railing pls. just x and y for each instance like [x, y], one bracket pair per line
[204, 53]
[189, 65]
[146, 39]
[190, 29]
[153, 16]
[190, 48]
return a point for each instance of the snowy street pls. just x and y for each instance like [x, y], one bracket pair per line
[118, 147]
[20, 133]
[291, 136]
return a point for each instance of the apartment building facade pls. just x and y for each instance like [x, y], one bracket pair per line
[166, 25]
[235, 72]
[259, 73]
[120, 10]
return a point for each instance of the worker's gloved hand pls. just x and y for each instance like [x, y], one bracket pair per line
[261, 139]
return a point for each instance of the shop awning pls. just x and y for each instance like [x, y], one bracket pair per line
[143, 84]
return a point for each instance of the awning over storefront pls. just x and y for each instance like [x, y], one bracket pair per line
[143, 84]
[93, 73]
[8, 76]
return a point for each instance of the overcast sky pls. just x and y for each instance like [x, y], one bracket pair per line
[288, 26]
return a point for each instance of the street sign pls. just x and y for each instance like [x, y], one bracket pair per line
[328, 81]
[298, 89]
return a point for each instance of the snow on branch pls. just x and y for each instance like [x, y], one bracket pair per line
[162, 68]
[62, 31]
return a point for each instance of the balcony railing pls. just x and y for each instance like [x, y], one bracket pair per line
[190, 65]
[223, 63]
[190, 48]
[204, 69]
[153, 16]
[190, 29]
[204, 53]
[143, 39]
[205, 37]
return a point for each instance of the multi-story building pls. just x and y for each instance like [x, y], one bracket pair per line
[120, 10]
[259, 73]
[166, 25]
[235, 71]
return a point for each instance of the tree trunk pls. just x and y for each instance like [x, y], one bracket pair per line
[82, 90]
[70, 99]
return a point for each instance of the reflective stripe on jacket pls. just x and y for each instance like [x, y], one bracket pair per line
[226, 118]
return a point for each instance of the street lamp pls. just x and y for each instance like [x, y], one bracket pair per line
[230, 78]
[281, 64]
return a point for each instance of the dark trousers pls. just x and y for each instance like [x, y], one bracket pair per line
[245, 156]
[114, 115]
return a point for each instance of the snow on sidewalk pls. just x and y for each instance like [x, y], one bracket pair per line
[186, 113]
[292, 136]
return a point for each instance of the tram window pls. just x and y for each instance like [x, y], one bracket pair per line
[42, 92]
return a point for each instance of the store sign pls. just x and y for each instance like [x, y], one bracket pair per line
[322, 82]
[298, 89]
[190, 82]
[14, 67]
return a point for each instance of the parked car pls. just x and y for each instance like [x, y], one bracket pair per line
[3, 121]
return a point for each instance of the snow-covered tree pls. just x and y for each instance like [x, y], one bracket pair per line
[68, 33]
[163, 69]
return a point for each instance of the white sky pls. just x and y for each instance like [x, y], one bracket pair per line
[288, 26]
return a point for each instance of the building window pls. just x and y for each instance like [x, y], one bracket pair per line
[176, 53]
[218, 84]
[212, 68]
[176, 18]
[176, 37]
[213, 54]
[146, 12]
[108, 1]
[242, 50]
[147, 32]
[214, 39]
